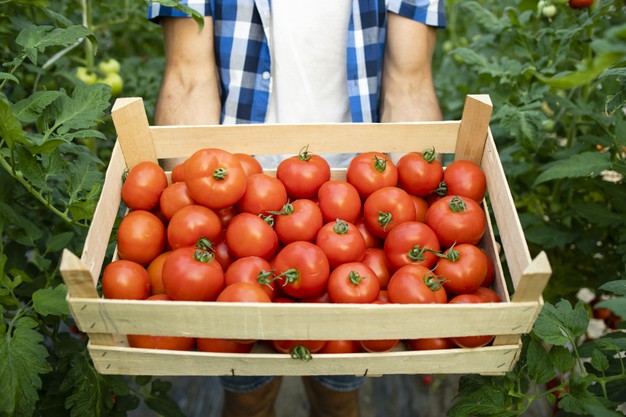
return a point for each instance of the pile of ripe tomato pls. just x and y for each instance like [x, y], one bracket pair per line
[223, 230]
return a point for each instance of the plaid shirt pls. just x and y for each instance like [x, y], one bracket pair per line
[243, 53]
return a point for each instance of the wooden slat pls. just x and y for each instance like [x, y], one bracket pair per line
[182, 141]
[133, 131]
[302, 321]
[474, 127]
[129, 361]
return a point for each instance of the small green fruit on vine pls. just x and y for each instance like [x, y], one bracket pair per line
[109, 66]
[86, 76]
[115, 81]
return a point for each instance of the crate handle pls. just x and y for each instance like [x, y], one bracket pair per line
[533, 280]
[133, 131]
[474, 127]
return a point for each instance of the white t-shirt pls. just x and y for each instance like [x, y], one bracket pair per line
[308, 48]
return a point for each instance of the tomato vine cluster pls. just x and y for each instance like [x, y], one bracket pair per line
[220, 229]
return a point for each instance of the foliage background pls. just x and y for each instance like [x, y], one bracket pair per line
[557, 85]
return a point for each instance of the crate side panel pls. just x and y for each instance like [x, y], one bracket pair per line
[129, 361]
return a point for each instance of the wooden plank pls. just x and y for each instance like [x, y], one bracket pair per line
[302, 320]
[129, 361]
[493, 250]
[182, 141]
[474, 127]
[105, 214]
[133, 131]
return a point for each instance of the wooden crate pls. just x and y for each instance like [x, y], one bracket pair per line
[107, 321]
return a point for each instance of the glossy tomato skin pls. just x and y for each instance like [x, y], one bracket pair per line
[286, 346]
[339, 200]
[251, 269]
[371, 171]
[341, 242]
[491, 271]
[381, 345]
[434, 343]
[580, 4]
[410, 285]
[173, 198]
[411, 243]
[353, 282]
[264, 193]
[421, 207]
[387, 208]
[186, 278]
[143, 186]
[249, 164]
[155, 272]
[342, 346]
[226, 214]
[489, 295]
[375, 259]
[419, 173]
[456, 220]
[222, 253]
[469, 341]
[466, 179]
[140, 237]
[125, 280]
[249, 235]
[464, 268]
[248, 292]
[303, 174]
[371, 241]
[191, 223]
[308, 266]
[223, 345]
[178, 173]
[215, 178]
[298, 220]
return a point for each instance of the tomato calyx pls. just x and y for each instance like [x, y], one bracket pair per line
[341, 227]
[266, 278]
[384, 219]
[457, 204]
[429, 155]
[267, 219]
[205, 251]
[417, 253]
[355, 278]
[304, 154]
[451, 254]
[301, 352]
[290, 276]
[380, 164]
[442, 189]
[286, 210]
[433, 282]
[220, 174]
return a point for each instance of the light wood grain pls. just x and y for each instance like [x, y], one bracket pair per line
[133, 131]
[473, 129]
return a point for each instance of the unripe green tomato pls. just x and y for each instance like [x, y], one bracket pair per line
[549, 11]
[109, 66]
[86, 76]
[548, 125]
[447, 46]
[115, 81]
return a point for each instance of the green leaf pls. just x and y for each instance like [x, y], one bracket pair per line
[561, 324]
[483, 16]
[561, 358]
[599, 361]
[36, 39]
[10, 128]
[587, 164]
[579, 78]
[615, 102]
[29, 109]
[80, 111]
[185, 9]
[57, 242]
[23, 360]
[83, 178]
[8, 76]
[616, 305]
[599, 410]
[598, 214]
[19, 228]
[616, 287]
[51, 301]
[540, 369]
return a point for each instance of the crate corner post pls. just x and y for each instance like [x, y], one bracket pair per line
[474, 127]
[133, 130]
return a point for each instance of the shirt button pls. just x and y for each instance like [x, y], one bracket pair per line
[266, 75]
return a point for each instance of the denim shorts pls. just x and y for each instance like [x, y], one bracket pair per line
[243, 384]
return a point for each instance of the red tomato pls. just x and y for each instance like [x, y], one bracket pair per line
[173, 198]
[222, 254]
[125, 280]
[250, 235]
[353, 282]
[463, 268]
[249, 164]
[303, 174]
[341, 346]
[384, 296]
[192, 274]
[371, 241]
[413, 284]
[264, 193]
[371, 171]
[287, 346]
[491, 271]
[469, 341]
[466, 179]
[384, 345]
[191, 223]
[456, 220]
[178, 173]
[223, 345]
[140, 237]
[161, 342]
[421, 207]
[375, 259]
[215, 178]
[251, 269]
[411, 243]
[322, 298]
[341, 242]
[386, 208]
[226, 214]
[580, 4]
[143, 186]
[489, 295]
[420, 173]
[298, 220]
[339, 200]
[303, 269]
[434, 343]
[248, 292]
[155, 272]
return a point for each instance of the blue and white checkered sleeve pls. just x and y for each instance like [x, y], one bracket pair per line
[429, 12]
[157, 10]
